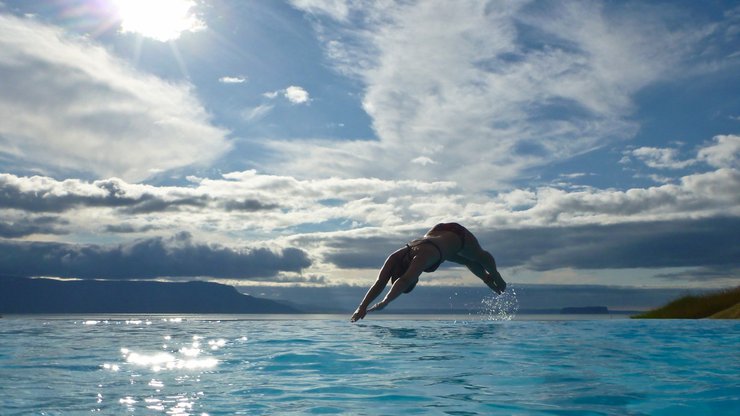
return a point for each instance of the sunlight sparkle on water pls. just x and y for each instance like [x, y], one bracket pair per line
[159, 361]
[618, 366]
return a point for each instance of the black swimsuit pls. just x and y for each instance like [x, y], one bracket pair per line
[434, 266]
[451, 227]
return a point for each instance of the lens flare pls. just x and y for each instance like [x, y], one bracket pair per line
[163, 20]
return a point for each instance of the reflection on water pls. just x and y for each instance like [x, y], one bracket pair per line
[158, 361]
[205, 366]
[178, 362]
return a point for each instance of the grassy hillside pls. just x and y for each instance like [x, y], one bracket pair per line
[723, 305]
[732, 312]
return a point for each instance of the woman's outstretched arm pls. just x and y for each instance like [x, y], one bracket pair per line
[377, 288]
[402, 283]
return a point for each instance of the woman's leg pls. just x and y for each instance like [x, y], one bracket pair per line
[475, 253]
[487, 278]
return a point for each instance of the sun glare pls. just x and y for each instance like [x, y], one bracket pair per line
[162, 20]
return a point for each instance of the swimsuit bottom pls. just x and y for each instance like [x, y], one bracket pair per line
[452, 227]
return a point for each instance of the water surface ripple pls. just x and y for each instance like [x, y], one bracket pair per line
[201, 365]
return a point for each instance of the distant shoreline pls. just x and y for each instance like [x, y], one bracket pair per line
[22, 295]
[49, 296]
[99, 318]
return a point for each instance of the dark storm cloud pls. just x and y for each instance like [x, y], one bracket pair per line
[351, 253]
[28, 226]
[148, 204]
[248, 205]
[47, 195]
[688, 243]
[128, 228]
[178, 256]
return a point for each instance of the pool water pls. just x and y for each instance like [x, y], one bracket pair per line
[292, 365]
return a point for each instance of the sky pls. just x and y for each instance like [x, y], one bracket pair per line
[300, 142]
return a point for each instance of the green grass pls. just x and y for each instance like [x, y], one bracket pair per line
[723, 304]
[733, 312]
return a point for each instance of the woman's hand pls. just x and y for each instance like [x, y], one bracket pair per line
[359, 314]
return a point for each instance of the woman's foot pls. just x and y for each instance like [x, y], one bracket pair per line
[495, 282]
[499, 281]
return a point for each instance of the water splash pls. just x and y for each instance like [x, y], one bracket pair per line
[501, 307]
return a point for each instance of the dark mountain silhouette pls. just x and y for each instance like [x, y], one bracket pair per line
[23, 295]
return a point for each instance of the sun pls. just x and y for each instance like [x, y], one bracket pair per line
[163, 20]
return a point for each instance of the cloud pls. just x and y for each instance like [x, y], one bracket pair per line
[31, 195]
[504, 88]
[704, 274]
[723, 152]
[685, 243]
[423, 161]
[657, 244]
[67, 104]
[233, 80]
[257, 113]
[355, 223]
[29, 225]
[43, 194]
[661, 158]
[250, 200]
[128, 228]
[296, 95]
[177, 256]
[337, 9]
[237, 201]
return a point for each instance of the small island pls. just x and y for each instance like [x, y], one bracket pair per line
[724, 304]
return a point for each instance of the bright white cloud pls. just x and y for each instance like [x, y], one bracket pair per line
[423, 161]
[68, 104]
[253, 201]
[493, 98]
[232, 80]
[296, 95]
[724, 151]
[661, 158]
[259, 208]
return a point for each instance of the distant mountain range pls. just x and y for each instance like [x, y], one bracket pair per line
[25, 295]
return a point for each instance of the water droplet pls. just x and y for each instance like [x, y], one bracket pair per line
[501, 307]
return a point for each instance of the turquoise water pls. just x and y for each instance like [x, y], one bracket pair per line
[291, 365]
